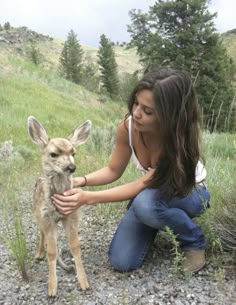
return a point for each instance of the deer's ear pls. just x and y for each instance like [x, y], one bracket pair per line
[80, 134]
[37, 132]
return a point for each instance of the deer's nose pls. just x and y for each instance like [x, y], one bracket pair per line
[71, 168]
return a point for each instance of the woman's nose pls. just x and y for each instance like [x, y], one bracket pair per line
[137, 112]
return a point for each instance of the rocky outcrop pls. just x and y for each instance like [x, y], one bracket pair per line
[21, 35]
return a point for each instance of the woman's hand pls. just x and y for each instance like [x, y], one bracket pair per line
[69, 201]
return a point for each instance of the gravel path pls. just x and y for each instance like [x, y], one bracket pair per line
[152, 284]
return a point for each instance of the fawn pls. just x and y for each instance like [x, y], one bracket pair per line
[57, 169]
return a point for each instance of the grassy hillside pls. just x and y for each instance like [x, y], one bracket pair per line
[60, 105]
[26, 89]
[17, 41]
[127, 59]
[229, 40]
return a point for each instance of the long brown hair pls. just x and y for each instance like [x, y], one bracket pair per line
[179, 120]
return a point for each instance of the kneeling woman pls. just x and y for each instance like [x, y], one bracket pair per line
[161, 134]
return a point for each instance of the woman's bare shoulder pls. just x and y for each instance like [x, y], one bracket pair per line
[122, 129]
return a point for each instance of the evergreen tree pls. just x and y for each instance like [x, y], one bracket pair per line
[108, 67]
[34, 54]
[71, 58]
[127, 83]
[181, 34]
[90, 76]
[7, 26]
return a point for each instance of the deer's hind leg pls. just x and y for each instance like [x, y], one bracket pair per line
[41, 246]
[71, 227]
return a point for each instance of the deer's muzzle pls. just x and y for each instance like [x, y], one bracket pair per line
[71, 168]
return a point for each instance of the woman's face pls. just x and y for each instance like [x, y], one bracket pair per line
[143, 112]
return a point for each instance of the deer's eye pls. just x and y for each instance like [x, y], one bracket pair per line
[73, 155]
[54, 155]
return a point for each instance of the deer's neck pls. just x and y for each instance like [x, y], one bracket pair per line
[57, 183]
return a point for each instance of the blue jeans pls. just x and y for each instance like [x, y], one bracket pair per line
[147, 214]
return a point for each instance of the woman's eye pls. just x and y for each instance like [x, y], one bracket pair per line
[148, 112]
[53, 155]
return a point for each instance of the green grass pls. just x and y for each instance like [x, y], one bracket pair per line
[59, 104]
[13, 175]
[220, 155]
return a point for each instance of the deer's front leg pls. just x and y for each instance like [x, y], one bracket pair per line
[73, 240]
[52, 260]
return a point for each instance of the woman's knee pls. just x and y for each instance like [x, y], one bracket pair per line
[144, 202]
[121, 262]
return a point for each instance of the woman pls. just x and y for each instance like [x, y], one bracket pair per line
[161, 134]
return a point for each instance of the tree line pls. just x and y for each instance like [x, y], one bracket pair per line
[75, 69]
[176, 33]
[6, 26]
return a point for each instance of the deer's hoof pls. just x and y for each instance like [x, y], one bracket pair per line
[84, 284]
[52, 292]
[52, 288]
[39, 256]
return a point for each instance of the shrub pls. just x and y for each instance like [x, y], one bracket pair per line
[225, 221]
[127, 83]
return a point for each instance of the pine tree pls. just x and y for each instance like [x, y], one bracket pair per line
[34, 54]
[90, 75]
[71, 58]
[181, 34]
[7, 26]
[108, 67]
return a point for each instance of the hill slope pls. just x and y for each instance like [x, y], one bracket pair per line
[26, 89]
[229, 40]
[18, 40]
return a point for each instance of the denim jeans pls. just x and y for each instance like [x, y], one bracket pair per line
[147, 214]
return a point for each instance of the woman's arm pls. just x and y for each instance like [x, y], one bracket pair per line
[116, 167]
[74, 198]
[118, 193]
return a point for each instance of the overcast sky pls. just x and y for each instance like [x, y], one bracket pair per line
[91, 18]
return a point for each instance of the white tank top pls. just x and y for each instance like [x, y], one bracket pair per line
[200, 172]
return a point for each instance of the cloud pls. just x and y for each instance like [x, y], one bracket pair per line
[88, 18]
[91, 18]
[225, 14]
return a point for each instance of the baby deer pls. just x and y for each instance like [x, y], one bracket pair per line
[57, 169]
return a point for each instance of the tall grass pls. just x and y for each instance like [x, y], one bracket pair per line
[220, 155]
[13, 231]
[14, 237]
[59, 104]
